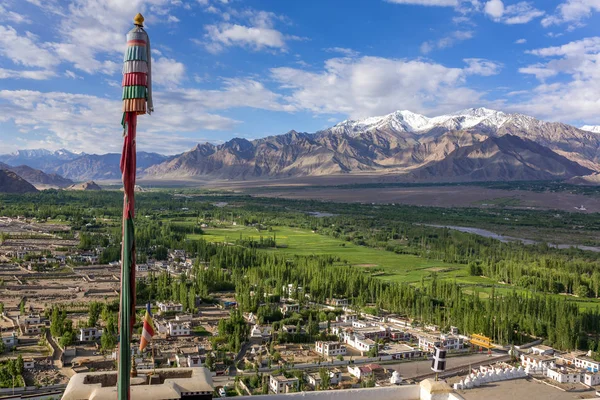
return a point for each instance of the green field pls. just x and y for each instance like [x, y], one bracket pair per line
[387, 265]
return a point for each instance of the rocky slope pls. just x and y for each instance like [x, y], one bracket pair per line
[13, 183]
[86, 186]
[37, 177]
[504, 158]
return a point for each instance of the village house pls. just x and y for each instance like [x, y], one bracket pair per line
[290, 329]
[88, 334]
[330, 349]
[174, 254]
[10, 340]
[537, 361]
[428, 342]
[262, 333]
[28, 363]
[591, 379]
[338, 302]
[564, 374]
[348, 318]
[314, 379]
[360, 343]
[184, 317]
[179, 328]
[170, 307]
[364, 371]
[287, 309]
[542, 350]
[401, 351]
[141, 268]
[587, 363]
[34, 329]
[280, 384]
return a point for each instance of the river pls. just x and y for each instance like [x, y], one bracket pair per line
[506, 239]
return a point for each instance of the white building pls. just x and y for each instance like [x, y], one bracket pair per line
[337, 302]
[564, 374]
[179, 328]
[348, 318]
[261, 332]
[429, 342]
[32, 319]
[591, 379]
[10, 340]
[87, 334]
[359, 342]
[542, 350]
[28, 363]
[289, 308]
[330, 349]
[141, 268]
[280, 384]
[587, 363]
[364, 371]
[170, 307]
[536, 361]
[314, 379]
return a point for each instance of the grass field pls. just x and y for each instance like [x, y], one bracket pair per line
[384, 264]
[387, 265]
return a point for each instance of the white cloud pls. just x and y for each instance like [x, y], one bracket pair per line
[370, 86]
[172, 19]
[446, 41]
[575, 95]
[343, 50]
[256, 38]
[11, 16]
[540, 71]
[519, 13]
[521, 41]
[494, 8]
[573, 12]
[26, 74]
[72, 75]
[79, 122]
[445, 3]
[252, 29]
[167, 72]
[23, 49]
[480, 66]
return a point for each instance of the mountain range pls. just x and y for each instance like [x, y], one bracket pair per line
[469, 145]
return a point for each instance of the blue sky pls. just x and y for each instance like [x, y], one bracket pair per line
[253, 68]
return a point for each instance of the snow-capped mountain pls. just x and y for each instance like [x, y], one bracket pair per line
[403, 143]
[471, 144]
[591, 128]
[38, 158]
[407, 121]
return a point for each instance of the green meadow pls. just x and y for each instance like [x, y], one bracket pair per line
[384, 264]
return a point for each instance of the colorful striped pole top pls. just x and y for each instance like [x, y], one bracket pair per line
[137, 72]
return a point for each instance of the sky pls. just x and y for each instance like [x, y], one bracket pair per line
[255, 68]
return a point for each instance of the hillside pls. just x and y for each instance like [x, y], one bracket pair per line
[504, 158]
[10, 182]
[85, 186]
[37, 177]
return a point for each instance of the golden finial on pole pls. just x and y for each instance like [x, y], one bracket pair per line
[138, 20]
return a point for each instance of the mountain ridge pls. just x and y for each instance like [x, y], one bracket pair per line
[399, 143]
